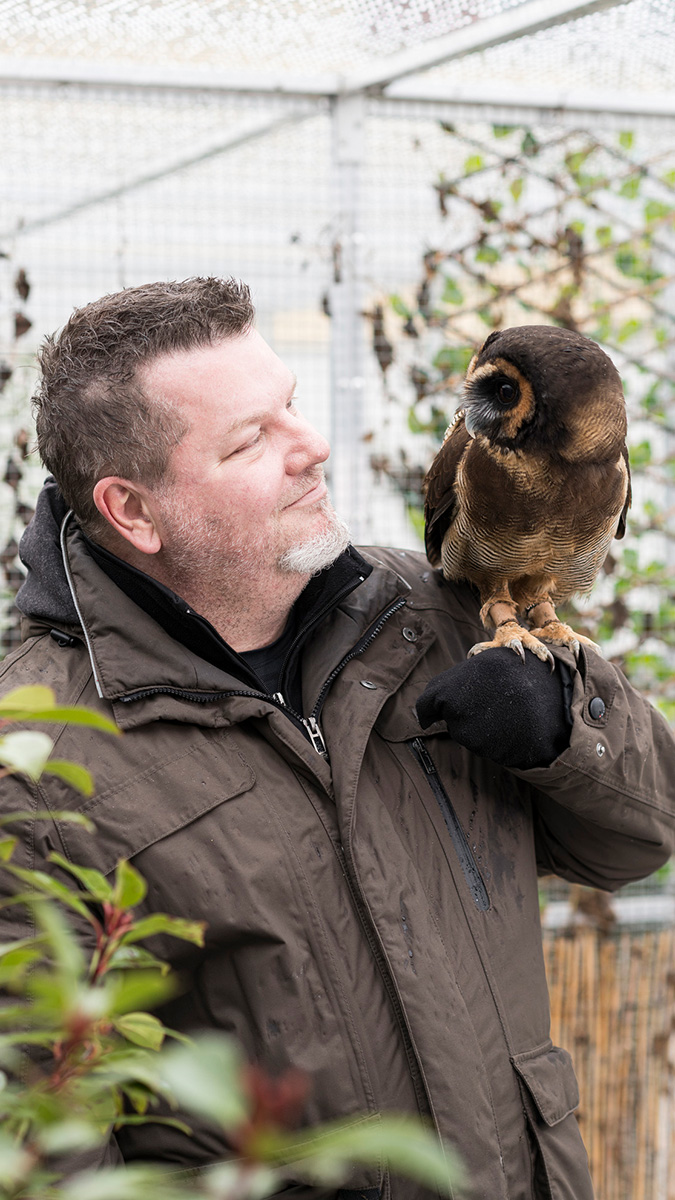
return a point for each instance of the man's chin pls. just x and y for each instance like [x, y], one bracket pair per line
[318, 551]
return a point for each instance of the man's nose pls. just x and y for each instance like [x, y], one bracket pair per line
[308, 449]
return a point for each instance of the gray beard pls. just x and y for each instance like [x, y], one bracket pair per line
[197, 553]
[318, 552]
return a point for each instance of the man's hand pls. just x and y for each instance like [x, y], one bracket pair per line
[516, 714]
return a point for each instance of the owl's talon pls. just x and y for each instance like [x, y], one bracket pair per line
[517, 645]
[557, 633]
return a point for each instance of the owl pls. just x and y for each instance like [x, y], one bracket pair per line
[531, 483]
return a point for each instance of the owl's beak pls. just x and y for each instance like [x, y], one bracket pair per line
[468, 422]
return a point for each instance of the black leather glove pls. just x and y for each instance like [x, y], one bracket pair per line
[516, 714]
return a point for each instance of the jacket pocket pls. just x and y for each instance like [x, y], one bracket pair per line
[157, 802]
[550, 1096]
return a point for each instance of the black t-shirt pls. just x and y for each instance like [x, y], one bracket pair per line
[268, 661]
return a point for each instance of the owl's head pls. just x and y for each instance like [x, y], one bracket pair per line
[538, 388]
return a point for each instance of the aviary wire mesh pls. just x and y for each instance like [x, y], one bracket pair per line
[103, 187]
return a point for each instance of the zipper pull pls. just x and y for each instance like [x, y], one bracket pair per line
[315, 736]
[279, 697]
[424, 757]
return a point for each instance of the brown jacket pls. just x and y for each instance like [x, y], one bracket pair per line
[374, 919]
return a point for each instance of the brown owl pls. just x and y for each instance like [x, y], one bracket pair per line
[531, 483]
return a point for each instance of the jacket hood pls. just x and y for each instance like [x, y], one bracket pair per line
[45, 594]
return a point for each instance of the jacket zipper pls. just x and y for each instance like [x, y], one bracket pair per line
[311, 723]
[466, 859]
[367, 638]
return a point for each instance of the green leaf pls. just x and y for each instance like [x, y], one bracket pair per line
[74, 774]
[400, 307]
[516, 188]
[62, 941]
[27, 751]
[139, 1096]
[135, 958]
[628, 330]
[20, 943]
[656, 211]
[501, 131]
[206, 1078]
[529, 146]
[451, 292]
[173, 1122]
[487, 254]
[7, 846]
[52, 887]
[453, 360]
[74, 818]
[576, 159]
[130, 887]
[640, 456]
[142, 1029]
[603, 235]
[68, 1136]
[27, 699]
[134, 990]
[189, 931]
[405, 1144]
[15, 959]
[127, 1183]
[630, 264]
[473, 163]
[669, 178]
[630, 187]
[38, 703]
[94, 883]
[626, 139]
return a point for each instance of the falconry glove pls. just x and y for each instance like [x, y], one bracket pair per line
[515, 713]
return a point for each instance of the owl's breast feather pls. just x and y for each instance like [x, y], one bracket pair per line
[517, 514]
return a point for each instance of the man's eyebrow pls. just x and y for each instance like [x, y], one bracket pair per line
[256, 417]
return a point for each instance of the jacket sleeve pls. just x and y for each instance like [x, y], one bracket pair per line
[604, 811]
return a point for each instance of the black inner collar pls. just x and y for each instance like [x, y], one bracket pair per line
[198, 635]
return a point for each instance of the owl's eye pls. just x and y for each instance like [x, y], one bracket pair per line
[507, 393]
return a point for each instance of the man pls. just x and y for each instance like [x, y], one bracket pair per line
[370, 886]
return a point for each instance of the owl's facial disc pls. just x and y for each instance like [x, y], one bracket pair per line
[499, 401]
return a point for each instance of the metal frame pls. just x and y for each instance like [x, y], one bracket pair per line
[525, 19]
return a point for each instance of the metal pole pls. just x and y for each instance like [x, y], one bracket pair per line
[348, 464]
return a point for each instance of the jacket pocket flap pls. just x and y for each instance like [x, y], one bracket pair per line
[548, 1074]
[155, 803]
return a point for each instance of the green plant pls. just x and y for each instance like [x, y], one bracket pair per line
[81, 1056]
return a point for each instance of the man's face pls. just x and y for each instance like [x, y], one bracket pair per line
[246, 486]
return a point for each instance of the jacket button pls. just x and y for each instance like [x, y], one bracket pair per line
[597, 708]
[600, 749]
[367, 683]
[409, 634]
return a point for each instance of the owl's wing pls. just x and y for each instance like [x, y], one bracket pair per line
[621, 529]
[440, 498]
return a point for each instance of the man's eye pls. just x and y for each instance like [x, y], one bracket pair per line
[249, 444]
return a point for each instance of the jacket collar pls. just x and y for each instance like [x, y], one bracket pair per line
[132, 652]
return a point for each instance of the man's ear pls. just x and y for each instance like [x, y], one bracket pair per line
[125, 506]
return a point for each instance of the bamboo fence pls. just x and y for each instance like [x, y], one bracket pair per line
[613, 1008]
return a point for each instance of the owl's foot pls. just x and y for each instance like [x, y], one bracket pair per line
[514, 637]
[559, 634]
